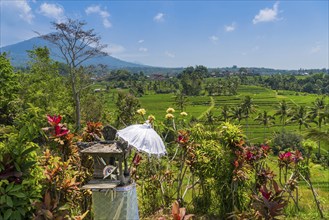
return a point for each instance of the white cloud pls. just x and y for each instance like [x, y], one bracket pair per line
[214, 39]
[114, 49]
[140, 41]
[230, 28]
[22, 8]
[267, 14]
[169, 54]
[315, 49]
[143, 49]
[95, 9]
[52, 11]
[159, 17]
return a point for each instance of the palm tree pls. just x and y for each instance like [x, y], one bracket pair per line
[248, 107]
[283, 111]
[237, 113]
[210, 119]
[301, 116]
[319, 111]
[265, 119]
[181, 101]
[318, 135]
[225, 113]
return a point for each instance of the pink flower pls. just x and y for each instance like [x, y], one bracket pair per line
[54, 120]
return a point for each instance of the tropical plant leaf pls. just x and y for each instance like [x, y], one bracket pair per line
[28, 150]
[7, 214]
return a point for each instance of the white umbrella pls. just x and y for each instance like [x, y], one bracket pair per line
[144, 138]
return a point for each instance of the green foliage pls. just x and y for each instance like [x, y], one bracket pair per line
[191, 79]
[9, 88]
[92, 108]
[230, 134]
[20, 178]
[126, 105]
[286, 140]
[46, 87]
[29, 122]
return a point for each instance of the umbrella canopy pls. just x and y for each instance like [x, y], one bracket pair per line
[144, 138]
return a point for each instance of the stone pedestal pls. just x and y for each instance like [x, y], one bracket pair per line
[118, 203]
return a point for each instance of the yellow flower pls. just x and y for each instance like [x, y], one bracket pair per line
[183, 114]
[169, 116]
[141, 111]
[170, 110]
[151, 118]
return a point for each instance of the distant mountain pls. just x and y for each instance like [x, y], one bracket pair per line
[19, 58]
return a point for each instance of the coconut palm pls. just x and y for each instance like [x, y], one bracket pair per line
[181, 100]
[210, 119]
[315, 134]
[283, 111]
[319, 113]
[265, 119]
[237, 113]
[248, 107]
[225, 113]
[301, 117]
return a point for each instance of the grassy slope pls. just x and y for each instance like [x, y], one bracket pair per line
[263, 98]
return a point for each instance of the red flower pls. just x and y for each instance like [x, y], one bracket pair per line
[61, 131]
[54, 120]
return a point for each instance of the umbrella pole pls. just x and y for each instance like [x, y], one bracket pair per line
[126, 173]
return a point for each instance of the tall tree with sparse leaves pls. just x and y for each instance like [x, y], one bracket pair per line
[76, 45]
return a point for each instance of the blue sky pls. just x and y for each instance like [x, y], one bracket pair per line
[274, 34]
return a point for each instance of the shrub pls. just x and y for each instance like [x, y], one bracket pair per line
[286, 140]
[20, 178]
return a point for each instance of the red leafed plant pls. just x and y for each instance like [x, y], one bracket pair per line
[179, 213]
[269, 204]
[57, 129]
[93, 131]
[54, 120]
[63, 176]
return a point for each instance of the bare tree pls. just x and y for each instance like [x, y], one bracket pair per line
[76, 45]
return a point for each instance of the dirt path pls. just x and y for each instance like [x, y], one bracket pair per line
[212, 105]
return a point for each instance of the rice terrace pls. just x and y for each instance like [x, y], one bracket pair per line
[162, 110]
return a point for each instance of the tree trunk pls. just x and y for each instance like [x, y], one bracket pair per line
[319, 147]
[77, 111]
[76, 98]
